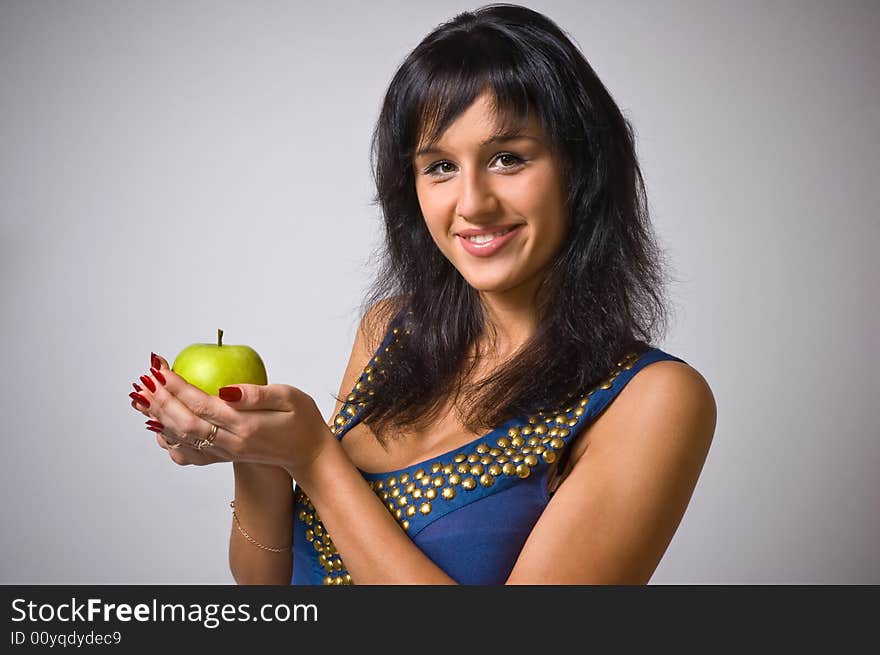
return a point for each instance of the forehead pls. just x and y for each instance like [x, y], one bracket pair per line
[481, 120]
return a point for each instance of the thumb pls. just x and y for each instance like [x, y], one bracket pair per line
[277, 397]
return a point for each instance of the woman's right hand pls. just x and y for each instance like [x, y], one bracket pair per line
[180, 453]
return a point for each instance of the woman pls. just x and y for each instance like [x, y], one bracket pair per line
[474, 440]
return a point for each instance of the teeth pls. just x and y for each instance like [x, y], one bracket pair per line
[485, 238]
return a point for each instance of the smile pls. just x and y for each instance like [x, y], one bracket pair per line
[484, 245]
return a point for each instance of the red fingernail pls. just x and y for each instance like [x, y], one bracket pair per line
[154, 361]
[148, 383]
[152, 428]
[155, 424]
[136, 386]
[136, 396]
[230, 393]
[158, 375]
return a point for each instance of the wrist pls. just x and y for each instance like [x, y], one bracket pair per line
[261, 485]
[249, 468]
[305, 471]
[260, 476]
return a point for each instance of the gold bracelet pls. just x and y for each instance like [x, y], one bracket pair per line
[250, 538]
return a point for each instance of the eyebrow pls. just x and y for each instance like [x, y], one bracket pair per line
[498, 138]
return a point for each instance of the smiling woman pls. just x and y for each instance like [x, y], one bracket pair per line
[496, 120]
[513, 404]
[502, 401]
[494, 205]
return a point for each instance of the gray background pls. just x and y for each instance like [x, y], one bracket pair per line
[168, 168]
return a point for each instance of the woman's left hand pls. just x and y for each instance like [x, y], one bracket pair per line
[274, 424]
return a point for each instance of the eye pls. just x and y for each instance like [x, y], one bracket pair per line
[513, 159]
[432, 169]
[510, 161]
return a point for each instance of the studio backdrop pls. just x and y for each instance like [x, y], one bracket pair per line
[171, 168]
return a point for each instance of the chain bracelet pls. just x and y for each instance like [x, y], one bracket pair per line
[250, 538]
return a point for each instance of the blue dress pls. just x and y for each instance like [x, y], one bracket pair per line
[470, 510]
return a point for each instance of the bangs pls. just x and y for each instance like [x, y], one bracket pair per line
[456, 79]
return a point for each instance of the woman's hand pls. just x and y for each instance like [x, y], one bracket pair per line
[274, 424]
[180, 452]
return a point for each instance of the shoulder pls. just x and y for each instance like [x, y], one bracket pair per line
[374, 325]
[665, 401]
[625, 496]
[671, 387]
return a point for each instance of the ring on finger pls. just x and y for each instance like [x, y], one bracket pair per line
[209, 440]
[168, 442]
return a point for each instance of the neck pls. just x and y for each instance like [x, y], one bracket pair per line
[511, 319]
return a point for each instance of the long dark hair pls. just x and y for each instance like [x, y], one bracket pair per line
[602, 295]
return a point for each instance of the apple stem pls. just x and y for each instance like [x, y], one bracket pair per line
[219, 337]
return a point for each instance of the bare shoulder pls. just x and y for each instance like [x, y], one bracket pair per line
[665, 393]
[666, 396]
[676, 384]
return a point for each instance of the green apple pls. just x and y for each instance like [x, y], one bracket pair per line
[210, 366]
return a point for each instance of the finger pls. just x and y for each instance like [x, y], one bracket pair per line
[139, 408]
[188, 454]
[183, 425]
[210, 408]
[166, 442]
[159, 362]
[270, 397]
[136, 397]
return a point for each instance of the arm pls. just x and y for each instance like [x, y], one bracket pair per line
[264, 499]
[263, 496]
[264, 506]
[373, 546]
[613, 517]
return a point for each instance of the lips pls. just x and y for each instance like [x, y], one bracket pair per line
[487, 230]
[490, 247]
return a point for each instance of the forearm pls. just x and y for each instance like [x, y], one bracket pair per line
[373, 546]
[264, 506]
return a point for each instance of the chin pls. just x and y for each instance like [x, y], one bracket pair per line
[488, 285]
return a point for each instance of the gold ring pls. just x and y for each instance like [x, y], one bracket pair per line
[172, 446]
[209, 440]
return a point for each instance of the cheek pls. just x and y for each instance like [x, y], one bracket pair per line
[437, 230]
[435, 217]
[549, 201]
[436, 235]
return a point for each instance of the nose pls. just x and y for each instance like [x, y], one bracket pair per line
[476, 197]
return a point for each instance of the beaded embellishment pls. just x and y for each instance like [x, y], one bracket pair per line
[419, 494]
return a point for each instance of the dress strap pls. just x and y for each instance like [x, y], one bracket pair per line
[608, 390]
[352, 410]
[597, 399]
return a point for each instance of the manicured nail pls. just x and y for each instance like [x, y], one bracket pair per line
[154, 361]
[155, 424]
[230, 393]
[158, 375]
[136, 386]
[152, 428]
[139, 398]
[148, 383]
